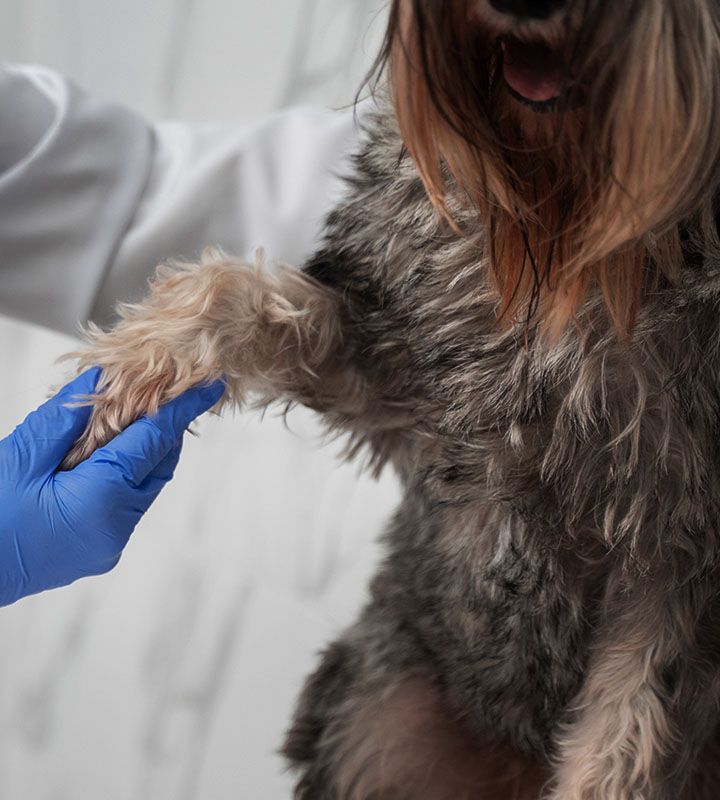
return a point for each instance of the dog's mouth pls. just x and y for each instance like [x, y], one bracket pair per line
[534, 72]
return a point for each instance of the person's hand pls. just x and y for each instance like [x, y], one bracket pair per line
[56, 527]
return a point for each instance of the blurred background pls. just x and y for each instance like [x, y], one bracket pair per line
[173, 678]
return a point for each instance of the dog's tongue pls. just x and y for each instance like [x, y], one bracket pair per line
[534, 71]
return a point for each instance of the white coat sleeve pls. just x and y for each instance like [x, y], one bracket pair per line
[92, 197]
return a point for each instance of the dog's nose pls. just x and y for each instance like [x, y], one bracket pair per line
[528, 9]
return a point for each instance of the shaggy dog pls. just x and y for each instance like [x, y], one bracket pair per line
[516, 305]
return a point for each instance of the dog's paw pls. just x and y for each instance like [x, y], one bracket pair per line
[123, 395]
[176, 339]
[264, 333]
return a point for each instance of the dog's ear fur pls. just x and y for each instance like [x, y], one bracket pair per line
[588, 197]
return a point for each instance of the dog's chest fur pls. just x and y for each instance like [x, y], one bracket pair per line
[539, 479]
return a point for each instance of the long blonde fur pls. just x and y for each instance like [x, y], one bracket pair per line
[593, 197]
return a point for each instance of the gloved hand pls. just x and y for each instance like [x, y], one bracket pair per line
[56, 527]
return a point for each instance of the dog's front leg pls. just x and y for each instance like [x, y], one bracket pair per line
[275, 335]
[650, 700]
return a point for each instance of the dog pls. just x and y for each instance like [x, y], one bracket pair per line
[515, 306]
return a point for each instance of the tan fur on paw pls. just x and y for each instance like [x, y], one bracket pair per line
[260, 331]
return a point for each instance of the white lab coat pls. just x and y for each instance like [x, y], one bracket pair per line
[92, 197]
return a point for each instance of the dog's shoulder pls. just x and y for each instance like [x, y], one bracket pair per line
[384, 222]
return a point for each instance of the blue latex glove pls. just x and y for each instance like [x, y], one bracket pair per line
[56, 527]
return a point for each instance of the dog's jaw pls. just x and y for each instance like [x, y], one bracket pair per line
[534, 73]
[532, 56]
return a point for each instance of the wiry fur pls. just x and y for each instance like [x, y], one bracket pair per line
[551, 581]
[401, 742]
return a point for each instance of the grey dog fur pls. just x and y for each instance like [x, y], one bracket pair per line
[558, 529]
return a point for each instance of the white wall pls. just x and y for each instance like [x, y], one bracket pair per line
[215, 59]
[173, 677]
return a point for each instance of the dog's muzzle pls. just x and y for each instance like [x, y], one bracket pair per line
[528, 9]
[533, 62]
